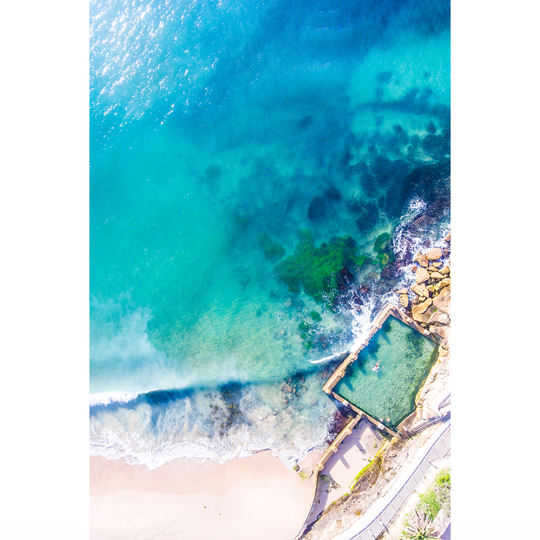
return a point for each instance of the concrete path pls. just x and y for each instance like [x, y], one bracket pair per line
[388, 507]
[352, 456]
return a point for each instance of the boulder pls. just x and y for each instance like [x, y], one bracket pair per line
[444, 270]
[443, 332]
[440, 318]
[433, 254]
[420, 290]
[443, 283]
[423, 318]
[442, 300]
[437, 264]
[402, 291]
[414, 268]
[404, 300]
[287, 388]
[421, 259]
[418, 309]
[447, 239]
[431, 289]
[436, 275]
[422, 275]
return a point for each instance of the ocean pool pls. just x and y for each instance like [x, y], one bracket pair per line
[404, 358]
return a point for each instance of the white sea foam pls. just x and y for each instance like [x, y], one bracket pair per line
[198, 427]
[104, 398]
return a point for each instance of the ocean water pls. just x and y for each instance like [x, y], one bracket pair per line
[230, 143]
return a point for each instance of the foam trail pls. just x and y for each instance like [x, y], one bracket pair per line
[104, 398]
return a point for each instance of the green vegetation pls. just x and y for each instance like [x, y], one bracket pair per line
[304, 326]
[315, 315]
[419, 526]
[382, 248]
[315, 268]
[420, 523]
[373, 466]
[272, 249]
[430, 503]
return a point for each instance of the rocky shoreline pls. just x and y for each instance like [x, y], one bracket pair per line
[428, 303]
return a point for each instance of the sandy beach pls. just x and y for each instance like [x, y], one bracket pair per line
[257, 497]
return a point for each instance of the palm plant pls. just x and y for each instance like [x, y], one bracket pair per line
[420, 527]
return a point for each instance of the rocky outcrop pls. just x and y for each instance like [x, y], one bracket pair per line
[430, 304]
[421, 259]
[420, 290]
[404, 300]
[422, 275]
[418, 309]
[434, 254]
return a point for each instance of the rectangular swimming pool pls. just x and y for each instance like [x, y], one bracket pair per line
[404, 358]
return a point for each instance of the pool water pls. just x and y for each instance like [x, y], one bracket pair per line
[404, 357]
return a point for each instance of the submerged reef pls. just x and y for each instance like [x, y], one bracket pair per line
[272, 249]
[382, 247]
[316, 268]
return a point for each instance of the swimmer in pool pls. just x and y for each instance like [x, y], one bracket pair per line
[376, 368]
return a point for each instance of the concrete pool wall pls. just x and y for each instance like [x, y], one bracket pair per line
[339, 373]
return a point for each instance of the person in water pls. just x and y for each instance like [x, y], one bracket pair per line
[376, 368]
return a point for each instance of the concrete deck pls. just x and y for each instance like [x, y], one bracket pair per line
[352, 455]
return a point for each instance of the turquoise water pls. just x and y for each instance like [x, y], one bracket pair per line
[216, 124]
[404, 358]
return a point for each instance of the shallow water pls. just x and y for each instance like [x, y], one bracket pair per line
[219, 131]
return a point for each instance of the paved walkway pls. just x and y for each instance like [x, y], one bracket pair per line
[388, 507]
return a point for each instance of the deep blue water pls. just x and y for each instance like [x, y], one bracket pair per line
[213, 124]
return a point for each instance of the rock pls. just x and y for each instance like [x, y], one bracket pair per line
[431, 268]
[288, 388]
[433, 254]
[422, 307]
[421, 259]
[437, 264]
[443, 283]
[443, 331]
[431, 289]
[447, 239]
[444, 270]
[436, 275]
[442, 300]
[422, 275]
[304, 389]
[402, 291]
[440, 318]
[420, 290]
[404, 300]
[425, 316]
[414, 268]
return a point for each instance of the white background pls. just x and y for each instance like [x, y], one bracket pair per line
[44, 269]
